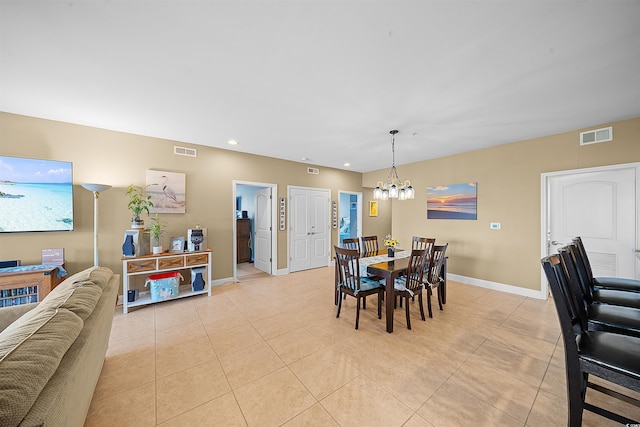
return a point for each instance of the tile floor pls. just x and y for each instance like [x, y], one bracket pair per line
[270, 352]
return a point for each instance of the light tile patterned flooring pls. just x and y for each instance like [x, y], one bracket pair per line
[270, 352]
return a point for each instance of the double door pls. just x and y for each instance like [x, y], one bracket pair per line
[310, 234]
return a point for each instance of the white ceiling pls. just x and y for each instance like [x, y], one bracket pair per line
[325, 80]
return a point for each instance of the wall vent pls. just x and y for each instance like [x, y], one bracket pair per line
[596, 136]
[182, 151]
[314, 171]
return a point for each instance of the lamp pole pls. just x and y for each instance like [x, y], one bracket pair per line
[96, 189]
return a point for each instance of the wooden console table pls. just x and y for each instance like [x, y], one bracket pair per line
[27, 286]
[167, 261]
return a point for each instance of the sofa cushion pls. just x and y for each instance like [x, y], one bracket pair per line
[30, 352]
[99, 276]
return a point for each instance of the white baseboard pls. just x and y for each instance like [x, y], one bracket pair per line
[517, 290]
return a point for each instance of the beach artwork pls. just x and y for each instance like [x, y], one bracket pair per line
[167, 191]
[35, 195]
[457, 201]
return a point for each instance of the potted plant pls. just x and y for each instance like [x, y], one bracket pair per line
[138, 203]
[155, 231]
[390, 243]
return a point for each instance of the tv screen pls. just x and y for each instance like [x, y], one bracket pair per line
[35, 195]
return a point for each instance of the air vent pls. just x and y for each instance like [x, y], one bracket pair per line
[596, 136]
[182, 151]
[313, 171]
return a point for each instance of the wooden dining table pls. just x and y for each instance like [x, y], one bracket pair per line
[389, 270]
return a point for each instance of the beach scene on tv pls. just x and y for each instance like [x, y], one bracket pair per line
[35, 195]
[457, 201]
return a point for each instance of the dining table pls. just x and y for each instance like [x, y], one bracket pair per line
[389, 268]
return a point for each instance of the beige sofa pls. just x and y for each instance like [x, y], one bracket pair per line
[52, 352]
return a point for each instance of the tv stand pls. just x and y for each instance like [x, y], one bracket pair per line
[27, 286]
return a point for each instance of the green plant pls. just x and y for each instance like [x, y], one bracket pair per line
[156, 229]
[138, 202]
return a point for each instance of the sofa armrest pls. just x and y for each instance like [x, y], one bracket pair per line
[8, 315]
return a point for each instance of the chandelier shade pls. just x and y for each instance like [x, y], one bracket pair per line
[393, 188]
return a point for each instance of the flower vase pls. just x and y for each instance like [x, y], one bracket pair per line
[391, 252]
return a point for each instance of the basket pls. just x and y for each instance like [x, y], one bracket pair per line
[164, 286]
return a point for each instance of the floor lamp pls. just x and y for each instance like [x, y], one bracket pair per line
[96, 189]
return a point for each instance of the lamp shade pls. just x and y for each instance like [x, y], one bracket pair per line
[95, 187]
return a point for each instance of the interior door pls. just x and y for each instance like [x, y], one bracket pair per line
[600, 207]
[262, 227]
[309, 231]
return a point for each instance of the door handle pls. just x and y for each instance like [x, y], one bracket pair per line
[555, 242]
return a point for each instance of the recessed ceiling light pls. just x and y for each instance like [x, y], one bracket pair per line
[305, 159]
[347, 164]
[232, 142]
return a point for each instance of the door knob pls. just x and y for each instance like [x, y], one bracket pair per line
[555, 242]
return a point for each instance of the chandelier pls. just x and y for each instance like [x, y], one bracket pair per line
[394, 188]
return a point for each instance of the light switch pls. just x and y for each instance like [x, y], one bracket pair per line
[495, 226]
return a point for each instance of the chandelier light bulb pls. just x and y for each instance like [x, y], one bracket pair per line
[393, 188]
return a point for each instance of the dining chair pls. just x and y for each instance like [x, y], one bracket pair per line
[619, 283]
[408, 286]
[369, 246]
[350, 282]
[600, 295]
[422, 243]
[434, 278]
[607, 355]
[599, 317]
[352, 243]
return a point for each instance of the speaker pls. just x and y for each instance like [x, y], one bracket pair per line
[197, 279]
[135, 243]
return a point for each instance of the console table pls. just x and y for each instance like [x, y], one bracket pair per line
[27, 284]
[157, 263]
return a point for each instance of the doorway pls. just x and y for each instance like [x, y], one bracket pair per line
[601, 206]
[309, 228]
[254, 242]
[350, 215]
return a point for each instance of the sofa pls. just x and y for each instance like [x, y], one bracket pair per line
[52, 352]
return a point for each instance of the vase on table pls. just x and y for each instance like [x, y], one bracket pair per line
[391, 252]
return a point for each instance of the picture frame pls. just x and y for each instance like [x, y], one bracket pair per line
[167, 191]
[177, 244]
[454, 201]
[373, 208]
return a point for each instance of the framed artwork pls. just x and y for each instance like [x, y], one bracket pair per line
[373, 208]
[457, 201]
[177, 244]
[167, 191]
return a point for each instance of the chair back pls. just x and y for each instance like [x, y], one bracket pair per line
[582, 252]
[348, 267]
[352, 243]
[415, 270]
[573, 289]
[581, 270]
[423, 243]
[570, 322]
[369, 246]
[435, 264]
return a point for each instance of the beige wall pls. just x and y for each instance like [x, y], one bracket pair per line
[508, 178]
[120, 159]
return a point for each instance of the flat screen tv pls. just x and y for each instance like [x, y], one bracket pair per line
[35, 195]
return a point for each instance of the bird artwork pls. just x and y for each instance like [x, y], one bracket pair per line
[167, 190]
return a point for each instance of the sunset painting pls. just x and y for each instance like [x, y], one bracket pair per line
[458, 201]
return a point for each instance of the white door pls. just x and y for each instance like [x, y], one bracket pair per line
[262, 231]
[599, 205]
[309, 231]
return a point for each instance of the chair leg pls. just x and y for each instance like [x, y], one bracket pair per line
[421, 306]
[440, 290]
[339, 303]
[429, 292]
[357, 312]
[364, 303]
[380, 295]
[407, 311]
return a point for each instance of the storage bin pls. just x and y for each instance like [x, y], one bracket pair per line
[164, 286]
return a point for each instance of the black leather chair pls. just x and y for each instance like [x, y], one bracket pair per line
[610, 356]
[600, 295]
[599, 317]
[605, 282]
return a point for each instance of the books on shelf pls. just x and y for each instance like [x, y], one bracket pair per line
[17, 296]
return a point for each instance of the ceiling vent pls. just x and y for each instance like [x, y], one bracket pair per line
[313, 171]
[596, 136]
[182, 151]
